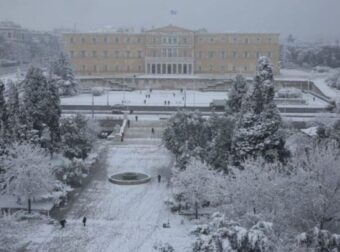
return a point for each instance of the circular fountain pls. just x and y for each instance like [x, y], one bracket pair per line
[129, 178]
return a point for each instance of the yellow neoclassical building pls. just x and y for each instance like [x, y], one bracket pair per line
[170, 50]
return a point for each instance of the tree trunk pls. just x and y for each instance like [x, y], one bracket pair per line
[29, 205]
[196, 210]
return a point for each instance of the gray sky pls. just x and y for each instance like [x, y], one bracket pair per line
[306, 19]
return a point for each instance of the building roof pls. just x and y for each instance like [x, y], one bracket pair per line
[170, 28]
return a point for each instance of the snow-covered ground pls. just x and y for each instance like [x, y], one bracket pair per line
[120, 218]
[157, 98]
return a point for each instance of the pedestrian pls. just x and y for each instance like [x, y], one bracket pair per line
[144, 101]
[164, 102]
[159, 178]
[136, 117]
[63, 223]
[168, 102]
[128, 123]
[84, 221]
[152, 130]
[121, 138]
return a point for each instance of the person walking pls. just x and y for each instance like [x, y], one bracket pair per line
[136, 117]
[128, 123]
[62, 223]
[84, 221]
[152, 130]
[159, 178]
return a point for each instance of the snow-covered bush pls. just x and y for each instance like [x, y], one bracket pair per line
[67, 87]
[97, 91]
[163, 247]
[71, 171]
[235, 96]
[289, 93]
[334, 80]
[223, 235]
[319, 240]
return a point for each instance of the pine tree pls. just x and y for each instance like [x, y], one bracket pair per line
[53, 117]
[238, 90]
[35, 99]
[3, 119]
[259, 119]
[66, 83]
[13, 111]
[76, 138]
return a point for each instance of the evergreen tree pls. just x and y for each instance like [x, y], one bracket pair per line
[218, 149]
[76, 138]
[259, 119]
[238, 90]
[35, 100]
[53, 117]
[66, 83]
[13, 111]
[3, 119]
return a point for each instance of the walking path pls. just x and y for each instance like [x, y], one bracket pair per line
[122, 218]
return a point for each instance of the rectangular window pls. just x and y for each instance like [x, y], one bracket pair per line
[174, 68]
[164, 40]
[169, 52]
[158, 68]
[169, 68]
[179, 68]
[71, 40]
[185, 40]
[163, 68]
[83, 53]
[139, 54]
[185, 69]
[127, 39]
[105, 68]
[94, 40]
[223, 55]
[246, 54]
[83, 68]
[234, 54]
[139, 40]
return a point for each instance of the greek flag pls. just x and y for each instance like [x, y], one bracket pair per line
[173, 12]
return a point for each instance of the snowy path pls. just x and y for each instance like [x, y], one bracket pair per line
[122, 218]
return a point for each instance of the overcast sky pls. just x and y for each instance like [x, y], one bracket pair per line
[306, 19]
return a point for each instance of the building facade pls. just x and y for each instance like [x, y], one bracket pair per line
[170, 50]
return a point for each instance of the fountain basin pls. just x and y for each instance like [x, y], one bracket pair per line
[129, 178]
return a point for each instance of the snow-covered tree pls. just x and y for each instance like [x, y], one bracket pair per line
[218, 149]
[53, 117]
[35, 99]
[197, 185]
[235, 96]
[13, 111]
[187, 133]
[76, 138]
[28, 172]
[65, 80]
[3, 119]
[259, 119]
